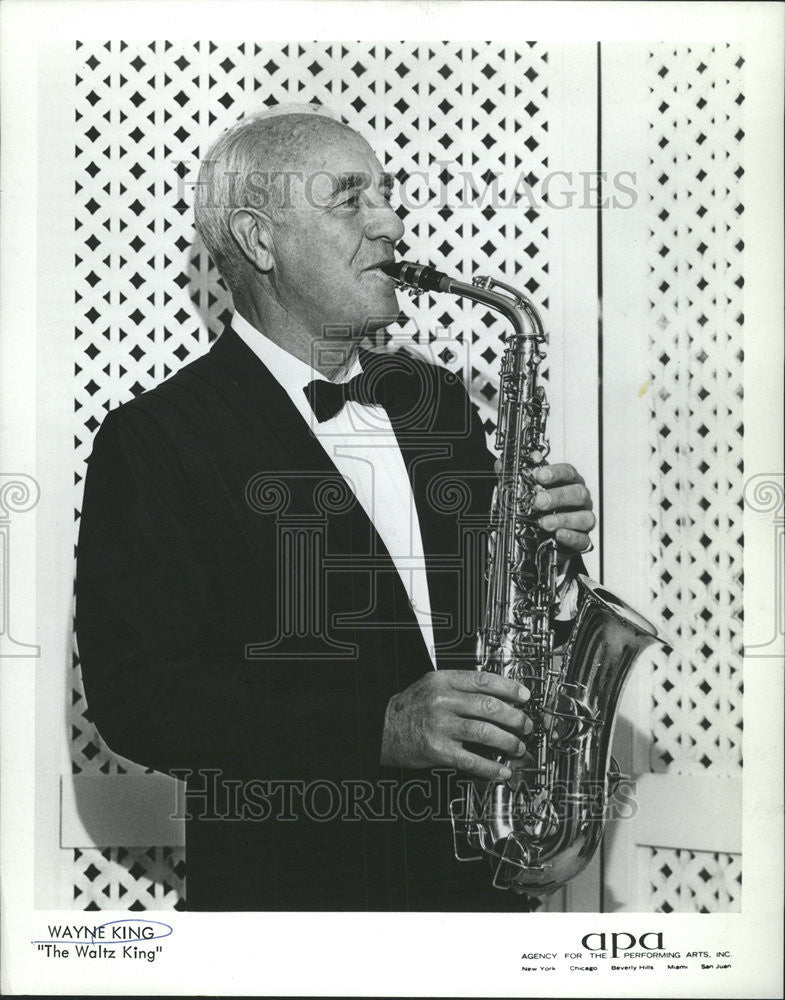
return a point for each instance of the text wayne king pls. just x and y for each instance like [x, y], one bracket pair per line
[102, 932]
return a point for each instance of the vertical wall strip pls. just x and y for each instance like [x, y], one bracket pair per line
[600, 527]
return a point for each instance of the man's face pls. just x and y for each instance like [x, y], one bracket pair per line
[339, 228]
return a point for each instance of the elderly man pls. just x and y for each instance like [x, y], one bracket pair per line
[267, 575]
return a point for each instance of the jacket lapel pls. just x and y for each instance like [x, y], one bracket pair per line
[290, 447]
[450, 470]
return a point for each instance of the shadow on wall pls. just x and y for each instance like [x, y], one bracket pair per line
[118, 818]
[625, 737]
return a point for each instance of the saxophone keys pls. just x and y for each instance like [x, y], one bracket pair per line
[465, 831]
[514, 858]
[542, 821]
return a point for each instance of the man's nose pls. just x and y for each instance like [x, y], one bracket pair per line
[383, 223]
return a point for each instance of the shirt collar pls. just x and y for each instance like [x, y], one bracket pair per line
[292, 374]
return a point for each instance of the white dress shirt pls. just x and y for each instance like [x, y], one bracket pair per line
[361, 443]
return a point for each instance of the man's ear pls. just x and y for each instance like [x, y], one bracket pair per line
[252, 230]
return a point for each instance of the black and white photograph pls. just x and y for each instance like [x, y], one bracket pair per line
[392, 499]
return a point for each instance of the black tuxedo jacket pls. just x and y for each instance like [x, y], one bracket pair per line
[240, 623]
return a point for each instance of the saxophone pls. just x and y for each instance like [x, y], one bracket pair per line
[542, 826]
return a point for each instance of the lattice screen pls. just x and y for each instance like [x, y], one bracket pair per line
[127, 878]
[695, 252]
[696, 295]
[147, 299]
[692, 881]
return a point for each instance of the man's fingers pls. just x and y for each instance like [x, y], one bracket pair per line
[478, 767]
[559, 472]
[574, 496]
[487, 735]
[485, 682]
[575, 541]
[488, 707]
[575, 520]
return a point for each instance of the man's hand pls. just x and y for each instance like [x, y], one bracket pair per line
[567, 508]
[427, 724]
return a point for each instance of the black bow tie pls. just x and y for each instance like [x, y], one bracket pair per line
[388, 380]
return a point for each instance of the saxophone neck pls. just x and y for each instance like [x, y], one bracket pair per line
[497, 295]
[507, 300]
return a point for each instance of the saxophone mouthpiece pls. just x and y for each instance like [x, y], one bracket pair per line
[392, 268]
[417, 276]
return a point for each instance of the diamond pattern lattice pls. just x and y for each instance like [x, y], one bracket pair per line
[693, 881]
[695, 252]
[452, 120]
[121, 878]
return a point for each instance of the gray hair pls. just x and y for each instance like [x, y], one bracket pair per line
[243, 168]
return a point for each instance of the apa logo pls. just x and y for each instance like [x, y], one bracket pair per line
[618, 945]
